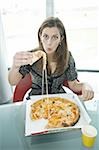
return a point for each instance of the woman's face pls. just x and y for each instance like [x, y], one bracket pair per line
[50, 39]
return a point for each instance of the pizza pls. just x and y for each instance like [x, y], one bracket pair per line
[37, 55]
[59, 112]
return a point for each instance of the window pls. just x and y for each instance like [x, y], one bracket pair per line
[81, 21]
[21, 20]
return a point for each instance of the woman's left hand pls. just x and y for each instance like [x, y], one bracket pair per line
[87, 92]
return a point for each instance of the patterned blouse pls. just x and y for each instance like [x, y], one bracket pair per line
[55, 82]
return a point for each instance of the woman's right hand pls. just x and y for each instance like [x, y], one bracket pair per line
[25, 58]
[37, 55]
[22, 58]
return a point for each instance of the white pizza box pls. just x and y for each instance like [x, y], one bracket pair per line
[38, 126]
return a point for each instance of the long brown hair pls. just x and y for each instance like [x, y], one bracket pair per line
[62, 53]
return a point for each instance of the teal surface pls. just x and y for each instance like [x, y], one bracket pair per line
[12, 127]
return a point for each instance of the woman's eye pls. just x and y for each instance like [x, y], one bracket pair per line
[55, 37]
[45, 36]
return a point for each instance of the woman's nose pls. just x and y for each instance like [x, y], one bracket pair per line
[49, 41]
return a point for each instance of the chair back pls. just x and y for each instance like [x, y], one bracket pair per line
[21, 88]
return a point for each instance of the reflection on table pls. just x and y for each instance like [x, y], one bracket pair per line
[12, 127]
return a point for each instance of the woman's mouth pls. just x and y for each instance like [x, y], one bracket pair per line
[49, 49]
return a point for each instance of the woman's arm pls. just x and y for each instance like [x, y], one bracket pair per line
[14, 76]
[84, 88]
[21, 59]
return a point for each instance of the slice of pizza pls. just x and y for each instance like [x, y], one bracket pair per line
[37, 55]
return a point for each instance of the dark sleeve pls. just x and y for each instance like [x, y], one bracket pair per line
[71, 71]
[25, 69]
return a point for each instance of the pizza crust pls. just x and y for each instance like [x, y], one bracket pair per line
[37, 55]
[59, 112]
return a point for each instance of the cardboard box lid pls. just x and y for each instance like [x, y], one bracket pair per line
[38, 126]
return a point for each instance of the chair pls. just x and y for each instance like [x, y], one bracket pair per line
[21, 88]
[24, 85]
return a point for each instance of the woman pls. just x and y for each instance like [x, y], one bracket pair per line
[53, 55]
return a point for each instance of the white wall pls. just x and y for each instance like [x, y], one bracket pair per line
[5, 89]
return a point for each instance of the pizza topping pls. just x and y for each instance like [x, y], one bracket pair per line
[60, 112]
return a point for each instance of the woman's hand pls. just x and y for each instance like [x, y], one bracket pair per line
[22, 58]
[37, 55]
[84, 88]
[25, 58]
[87, 92]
